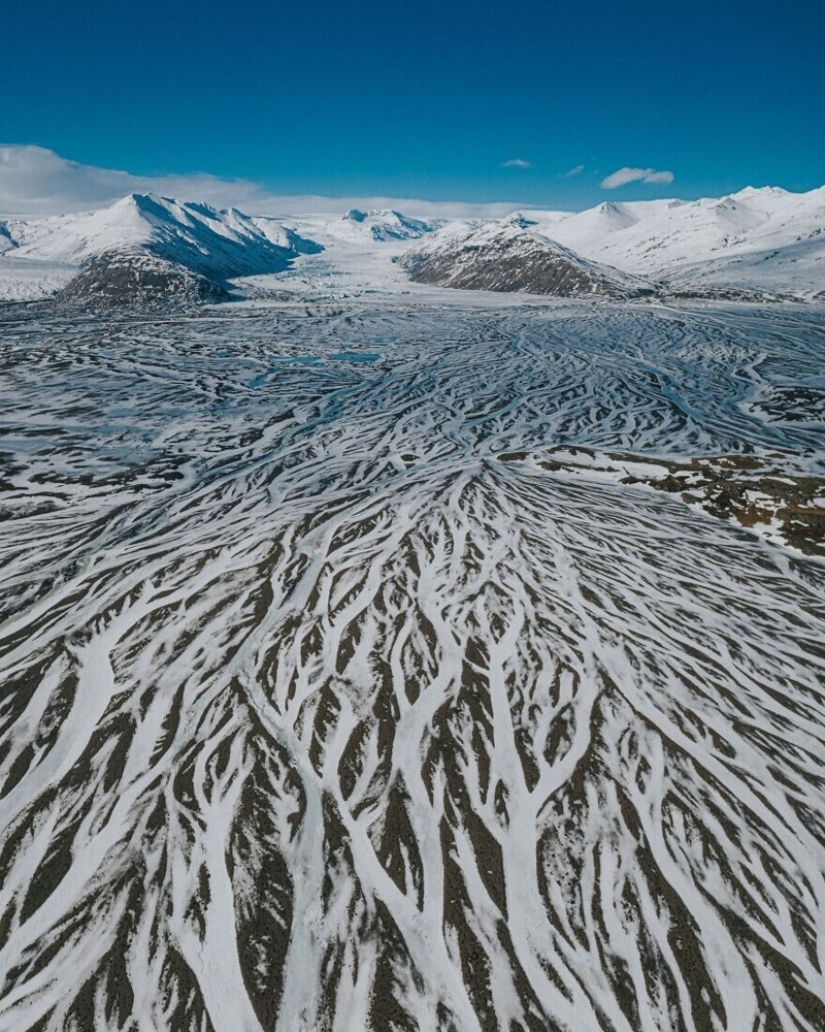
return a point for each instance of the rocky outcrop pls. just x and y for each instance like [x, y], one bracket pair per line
[512, 258]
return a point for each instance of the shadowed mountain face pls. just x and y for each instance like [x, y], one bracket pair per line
[119, 279]
[324, 708]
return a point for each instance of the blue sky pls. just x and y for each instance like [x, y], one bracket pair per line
[429, 99]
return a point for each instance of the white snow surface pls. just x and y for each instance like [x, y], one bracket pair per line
[26, 279]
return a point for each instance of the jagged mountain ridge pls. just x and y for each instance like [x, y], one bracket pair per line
[754, 242]
[512, 257]
[144, 246]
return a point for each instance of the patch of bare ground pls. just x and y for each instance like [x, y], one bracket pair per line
[758, 493]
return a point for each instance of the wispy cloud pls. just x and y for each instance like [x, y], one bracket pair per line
[575, 171]
[623, 176]
[516, 163]
[35, 181]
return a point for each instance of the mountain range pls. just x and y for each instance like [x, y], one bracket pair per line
[763, 239]
[757, 242]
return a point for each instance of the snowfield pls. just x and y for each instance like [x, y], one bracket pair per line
[27, 280]
[353, 678]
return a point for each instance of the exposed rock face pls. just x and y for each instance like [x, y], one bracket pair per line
[512, 259]
[6, 241]
[117, 280]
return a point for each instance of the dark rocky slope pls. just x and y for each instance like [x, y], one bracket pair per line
[510, 258]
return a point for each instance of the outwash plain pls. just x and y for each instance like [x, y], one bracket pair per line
[412, 660]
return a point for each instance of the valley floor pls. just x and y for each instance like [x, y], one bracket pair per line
[364, 670]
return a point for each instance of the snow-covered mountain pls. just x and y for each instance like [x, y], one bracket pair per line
[764, 239]
[754, 242]
[145, 244]
[380, 225]
[767, 241]
[181, 231]
[512, 257]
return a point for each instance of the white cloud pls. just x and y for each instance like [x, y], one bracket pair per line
[35, 181]
[659, 177]
[623, 176]
[575, 171]
[516, 163]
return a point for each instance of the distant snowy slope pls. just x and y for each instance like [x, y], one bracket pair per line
[380, 225]
[278, 234]
[31, 280]
[797, 269]
[708, 238]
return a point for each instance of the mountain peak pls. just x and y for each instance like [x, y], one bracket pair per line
[760, 191]
[380, 224]
[189, 239]
[143, 201]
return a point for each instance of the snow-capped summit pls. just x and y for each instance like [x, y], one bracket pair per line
[162, 241]
[761, 192]
[381, 224]
[223, 243]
